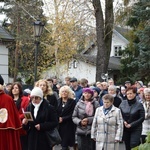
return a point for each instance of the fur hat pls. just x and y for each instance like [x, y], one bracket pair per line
[96, 89]
[88, 90]
[1, 80]
[37, 92]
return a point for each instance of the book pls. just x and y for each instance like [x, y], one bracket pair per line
[27, 115]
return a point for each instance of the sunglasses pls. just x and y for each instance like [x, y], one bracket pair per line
[35, 98]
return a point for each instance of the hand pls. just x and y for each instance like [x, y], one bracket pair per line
[116, 141]
[37, 127]
[94, 139]
[24, 121]
[84, 122]
[127, 125]
[60, 120]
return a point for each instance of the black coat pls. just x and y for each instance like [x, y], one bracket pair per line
[52, 100]
[67, 127]
[47, 119]
[117, 101]
[133, 114]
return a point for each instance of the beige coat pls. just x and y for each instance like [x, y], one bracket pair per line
[146, 123]
[107, 128]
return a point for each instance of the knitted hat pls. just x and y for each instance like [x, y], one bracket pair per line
[37, 92]
[1, 80]
[96, 89]
[88, 90]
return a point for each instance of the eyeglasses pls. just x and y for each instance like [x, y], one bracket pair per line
[35, 98]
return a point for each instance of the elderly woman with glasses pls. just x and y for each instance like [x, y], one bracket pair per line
[44, 119]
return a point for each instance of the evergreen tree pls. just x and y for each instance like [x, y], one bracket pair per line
[21, 15]
[136, 62]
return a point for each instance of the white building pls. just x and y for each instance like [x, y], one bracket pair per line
[5, 38]
[84, 64]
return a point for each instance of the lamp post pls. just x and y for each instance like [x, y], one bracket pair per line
[38, 29]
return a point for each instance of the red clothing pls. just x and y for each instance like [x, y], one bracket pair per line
[24, 104]
[10, 125]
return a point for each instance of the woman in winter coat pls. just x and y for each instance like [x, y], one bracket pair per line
[21, 102]
[133, 115]
[146, 105]
[47, 92]
[44, 119]
[107, 127]
[83, 117]
[67, 128]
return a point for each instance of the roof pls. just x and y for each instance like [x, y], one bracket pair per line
[120, 31]
[4, 35]
[123, 31]
[114, 62]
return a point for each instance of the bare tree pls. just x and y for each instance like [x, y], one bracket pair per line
[104, 29]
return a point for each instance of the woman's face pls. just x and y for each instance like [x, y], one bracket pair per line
[43, 86]
[64, 93]
[130, 95]
[123, 91]
[95, 93]
[111, 91]
[87, 96]
[107, 103]
[15, 90]
[147, 96]
[35, 99]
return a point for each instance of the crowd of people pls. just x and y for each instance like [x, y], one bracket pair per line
[88, 117]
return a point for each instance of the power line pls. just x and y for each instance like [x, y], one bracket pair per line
[28, 13]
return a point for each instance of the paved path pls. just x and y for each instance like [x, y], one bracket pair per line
[120, 148]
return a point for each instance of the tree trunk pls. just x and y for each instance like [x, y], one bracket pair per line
[104, 35]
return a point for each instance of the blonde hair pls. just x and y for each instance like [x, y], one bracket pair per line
[48, 91]
[68, 89]
[112, 87]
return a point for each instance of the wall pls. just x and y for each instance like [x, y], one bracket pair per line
[4, 62]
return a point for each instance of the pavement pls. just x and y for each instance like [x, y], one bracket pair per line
[121, 147]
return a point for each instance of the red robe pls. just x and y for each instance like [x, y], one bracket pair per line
[10, 124]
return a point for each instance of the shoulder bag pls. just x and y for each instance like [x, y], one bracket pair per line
[53, 137]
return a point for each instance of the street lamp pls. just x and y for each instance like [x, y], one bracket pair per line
[38, 29]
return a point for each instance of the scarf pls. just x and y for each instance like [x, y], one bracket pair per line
[106, 110]
[89, 108]
[36, 108]
[132, 101]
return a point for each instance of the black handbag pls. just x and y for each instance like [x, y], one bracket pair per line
[53, 137]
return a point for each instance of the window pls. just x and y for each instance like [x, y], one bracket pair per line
[117, 50]
[75, 64]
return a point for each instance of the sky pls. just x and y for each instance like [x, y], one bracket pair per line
[2, 16]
